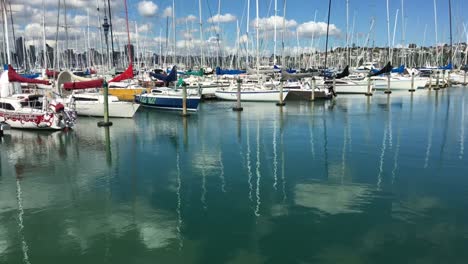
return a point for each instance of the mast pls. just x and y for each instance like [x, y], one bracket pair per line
[202, 59]
[5, 25]
[130, 59]
[217, 35]
[14, 36]
[174, 33]
[450, 21]
[347, 33]
[56, 60]
[67, 61]
[328, 27]
[282, 34]
[403, 33]
[274, 47]
[394, 31]
[435, 28]
[111, 31]
[88, 46]
[388, 33]
[247, 34]
[100, 32]
[137, 38]
[258, 36]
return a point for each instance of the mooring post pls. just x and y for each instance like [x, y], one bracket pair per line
[448, 79]
[238, 106]
[387, 91]
[430, 81]
[184, 100]
[106, 121]
[437, 81]
[312, 93]
[281, 102]
[369, 93]
[464, 78]
[412, 83]
[200, 91]
[443, 79]
[334, 85]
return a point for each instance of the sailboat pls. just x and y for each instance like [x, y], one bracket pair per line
[168, 98]
[31, 111]
[92, 103]
[125, 91]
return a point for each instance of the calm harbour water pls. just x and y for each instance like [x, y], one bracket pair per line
[355, 180]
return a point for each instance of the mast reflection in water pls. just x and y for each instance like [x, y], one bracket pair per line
[356, 179]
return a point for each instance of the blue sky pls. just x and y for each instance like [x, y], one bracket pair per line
[418, 15]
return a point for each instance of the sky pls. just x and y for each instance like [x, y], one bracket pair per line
[305, 23]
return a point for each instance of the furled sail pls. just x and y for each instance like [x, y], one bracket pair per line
[127, 74]
[83, 85]
[388, 68]
[15, 77]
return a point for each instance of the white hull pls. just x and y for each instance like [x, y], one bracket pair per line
[253, 96]
[116, 109]
[33, 120]
[352, 88]
[26, 111]
[399, 84]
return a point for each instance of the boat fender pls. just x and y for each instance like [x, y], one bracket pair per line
[57, 107]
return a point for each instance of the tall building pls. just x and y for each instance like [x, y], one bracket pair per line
[50, 55]
[20, 51]
[32, 54]
[132, 51]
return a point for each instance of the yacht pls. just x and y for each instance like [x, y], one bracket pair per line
[33, 111]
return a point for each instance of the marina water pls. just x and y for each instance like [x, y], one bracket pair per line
[380, 179]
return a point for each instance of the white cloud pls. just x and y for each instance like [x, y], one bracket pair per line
[159, 40]
[80, 20]
[189, 18]
[268, 23]
[243, 39]
[222, 18]
[147, 8]
[214, 29]
[144, 28]
[167, 12]
[317, 29]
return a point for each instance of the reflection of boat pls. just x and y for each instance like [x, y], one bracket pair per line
[167, 98]
[92, 104]
[27, 111]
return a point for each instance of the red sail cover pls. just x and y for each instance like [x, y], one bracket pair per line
[51, 74]
[15, 77]
[83, 85]
[127, 74]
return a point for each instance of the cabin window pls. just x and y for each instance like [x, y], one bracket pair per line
[32, 104]
[6, 106]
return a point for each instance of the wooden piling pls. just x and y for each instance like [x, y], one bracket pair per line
[238, 106]
[412, 83]
[312, 93]
[184, 100]
[106, 122]
[388, 91]
[437, 81]
[281, 102]
[464, 79]
[369, 93]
